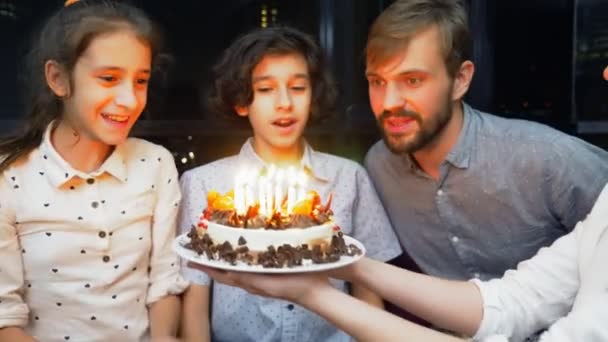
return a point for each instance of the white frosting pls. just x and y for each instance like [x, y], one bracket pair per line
[261, 239]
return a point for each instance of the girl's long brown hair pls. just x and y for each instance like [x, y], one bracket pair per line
[63, 39]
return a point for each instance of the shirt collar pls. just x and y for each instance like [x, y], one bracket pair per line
[460, 155]
[60, 172]
[311, 161]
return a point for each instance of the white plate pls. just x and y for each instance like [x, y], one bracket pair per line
[307, 265]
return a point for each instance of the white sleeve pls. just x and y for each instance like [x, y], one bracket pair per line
[165, 278]
[588, 322]
[13, 310]
[535, 295]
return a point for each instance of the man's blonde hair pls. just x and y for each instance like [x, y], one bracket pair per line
[393, 29]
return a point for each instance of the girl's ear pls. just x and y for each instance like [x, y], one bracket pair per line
[57, 78]
[241, 110]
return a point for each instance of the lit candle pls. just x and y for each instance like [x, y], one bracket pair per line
[239, 194]
[262, 196]
[291, 190]
[249, 185]
[270, 172]
[302, 180]
[249, 199]
[269, 203]
[278, 190]
[291, 198]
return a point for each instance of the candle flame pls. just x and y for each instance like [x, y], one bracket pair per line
[271, 190]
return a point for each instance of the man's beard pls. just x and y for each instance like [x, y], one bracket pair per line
[428, 132]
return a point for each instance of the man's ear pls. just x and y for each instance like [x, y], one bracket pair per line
[57, 78]
[241, 110]
[462, 80]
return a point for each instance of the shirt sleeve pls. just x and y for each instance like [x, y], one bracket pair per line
[586, 323]
[13, 310]
[193, 204]
[165, 278]
[371, 224]
[535, 295]
[575, 173]
[587, 319]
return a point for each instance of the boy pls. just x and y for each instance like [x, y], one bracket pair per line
[275, 77]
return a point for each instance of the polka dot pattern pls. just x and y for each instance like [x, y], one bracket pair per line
[72, 221]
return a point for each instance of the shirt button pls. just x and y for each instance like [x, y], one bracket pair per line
[439, 192]
[95, 204]
[290, 307]
[102, 234]
[90, 181]
[106, 258]
[455, 239]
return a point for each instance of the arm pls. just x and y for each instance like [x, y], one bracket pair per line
[313, 291]
[13, 310]
[165, 281]
[15, 334]
[364, 294]
[195, 322]
[365, 322]
[452, 305]
[196, 303]
[524, 301]
[164, 317]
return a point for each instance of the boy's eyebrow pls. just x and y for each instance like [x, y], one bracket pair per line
[265, 78]
[113, 68]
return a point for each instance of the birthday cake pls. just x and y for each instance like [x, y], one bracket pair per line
[279, 237]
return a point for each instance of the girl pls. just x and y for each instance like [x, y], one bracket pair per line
[87, 215]
[275, 77]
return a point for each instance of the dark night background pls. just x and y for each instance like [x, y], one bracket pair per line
[535, 59]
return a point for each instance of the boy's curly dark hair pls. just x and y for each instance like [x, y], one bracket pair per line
[232, 74]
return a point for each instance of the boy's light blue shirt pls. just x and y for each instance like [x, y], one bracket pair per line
[239, 316]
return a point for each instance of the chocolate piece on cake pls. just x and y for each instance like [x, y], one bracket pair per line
[283, 256]
[301, 221]
[225, 217]
[322, 216]
[256, 222]
[227, 253]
